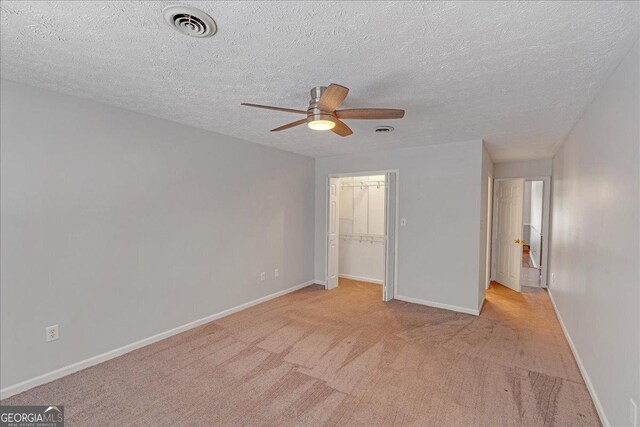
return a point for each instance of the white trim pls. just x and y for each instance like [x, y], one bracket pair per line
[363, 173]
[320, 282]
[362, 279]
[484, 298]
[83, 364]
[489, 235]
[533, 261]
[396, 234]
[439, 305]
[583, 370]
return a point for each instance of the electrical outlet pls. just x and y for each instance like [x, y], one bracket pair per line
[276, 273]
[633, 413]
[403, 222]
[263, 276]
[52, 333]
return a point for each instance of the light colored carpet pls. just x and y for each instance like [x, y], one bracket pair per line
[342, 357]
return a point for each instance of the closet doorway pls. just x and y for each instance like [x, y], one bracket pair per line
[362, 228]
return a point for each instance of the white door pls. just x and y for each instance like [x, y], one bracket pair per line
[390, 234]
[333, 234]
[509, 196]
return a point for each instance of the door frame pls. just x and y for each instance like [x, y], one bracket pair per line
[395, 225]
[546, 214]
[489, 234]
[333, 233]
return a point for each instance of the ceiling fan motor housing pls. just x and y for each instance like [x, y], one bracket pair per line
[314, 112]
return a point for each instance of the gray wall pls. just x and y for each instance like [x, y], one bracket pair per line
[118, 226]
[526, 205]
[523, 169]
[440, 198]
[595, 240]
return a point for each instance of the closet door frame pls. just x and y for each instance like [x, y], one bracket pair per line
[391, 248]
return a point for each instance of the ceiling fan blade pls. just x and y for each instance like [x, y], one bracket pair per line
[332, 97]
[370, 113]
[290, 125]
[268, 107]
[341, 128]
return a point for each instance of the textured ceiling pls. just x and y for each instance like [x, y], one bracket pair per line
[517, 75]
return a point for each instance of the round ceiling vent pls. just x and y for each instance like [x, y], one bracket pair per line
[189, 21]
[384, 129]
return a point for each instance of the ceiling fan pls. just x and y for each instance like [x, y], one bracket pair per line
[322, 113]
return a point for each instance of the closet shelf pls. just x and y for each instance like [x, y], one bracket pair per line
[377, 184]
[363, 237]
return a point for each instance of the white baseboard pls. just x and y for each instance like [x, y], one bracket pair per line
[83, 364]
[484, 298]
[583, 371]
[533, 261]
[362, 279]
[439, 305]
[320, 282]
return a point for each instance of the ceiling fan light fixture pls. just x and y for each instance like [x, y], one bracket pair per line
[321, 124]
[323, 113]
[319, 120]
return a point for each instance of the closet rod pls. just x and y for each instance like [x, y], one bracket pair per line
[370, 240]
[364, 184]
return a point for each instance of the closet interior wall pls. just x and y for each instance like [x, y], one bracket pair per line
[362, 234]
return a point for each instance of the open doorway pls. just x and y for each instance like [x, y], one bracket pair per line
[362, 229]
[531, 271]
[520, 229]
